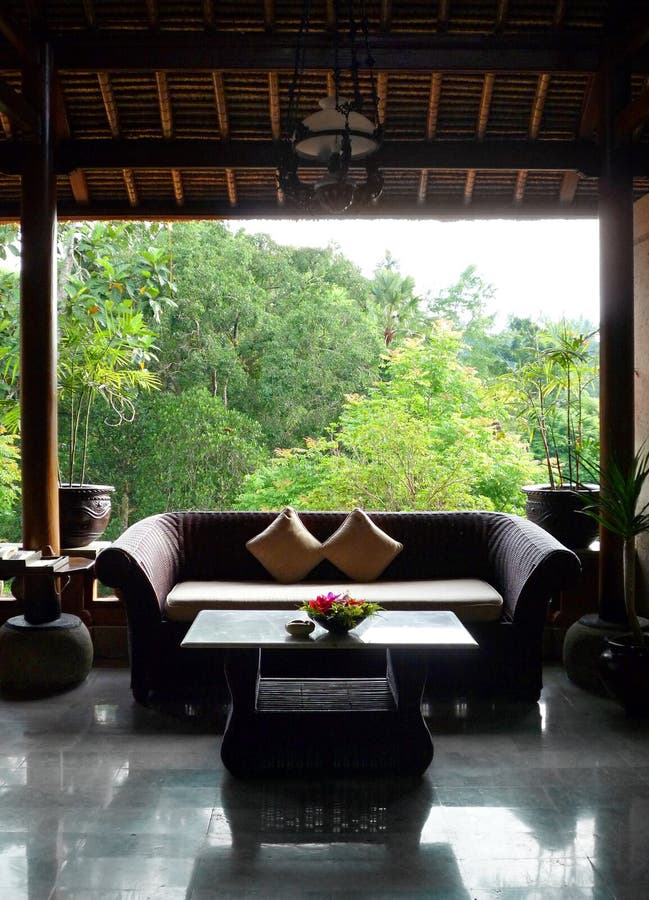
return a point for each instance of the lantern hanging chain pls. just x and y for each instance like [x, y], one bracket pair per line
[369, 60]
[353, 61]
[295, 89]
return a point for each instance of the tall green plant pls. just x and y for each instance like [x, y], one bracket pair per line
[549, 388]
[621, 511]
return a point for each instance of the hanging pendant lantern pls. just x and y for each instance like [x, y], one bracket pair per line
[338, 136]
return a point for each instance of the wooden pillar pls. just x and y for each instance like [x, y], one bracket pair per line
[616, 319]
[38, 322]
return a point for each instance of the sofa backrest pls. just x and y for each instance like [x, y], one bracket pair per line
[435, 544]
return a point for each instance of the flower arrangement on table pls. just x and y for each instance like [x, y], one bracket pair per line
[339, 612]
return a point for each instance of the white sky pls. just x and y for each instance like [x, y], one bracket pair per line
[546, 268]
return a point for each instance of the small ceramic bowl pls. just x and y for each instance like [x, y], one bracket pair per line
[299, 627]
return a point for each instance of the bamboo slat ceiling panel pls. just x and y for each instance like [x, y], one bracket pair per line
[166, 108]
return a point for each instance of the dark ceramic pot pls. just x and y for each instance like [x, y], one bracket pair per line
[558, 512]
[335, 626]
[84, 513]
[624, 670]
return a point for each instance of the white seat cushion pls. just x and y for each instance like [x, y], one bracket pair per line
[470, 599]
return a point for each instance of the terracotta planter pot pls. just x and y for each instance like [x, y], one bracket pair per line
[624, 670]
[558, 511]
[84, 513]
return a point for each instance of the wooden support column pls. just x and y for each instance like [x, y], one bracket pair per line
[38, 322]
[616, 318]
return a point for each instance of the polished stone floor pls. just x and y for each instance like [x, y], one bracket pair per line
[103, 799]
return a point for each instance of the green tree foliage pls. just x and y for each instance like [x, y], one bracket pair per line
[399, 310]
[182, 451]
[279, 333]
[425, 437]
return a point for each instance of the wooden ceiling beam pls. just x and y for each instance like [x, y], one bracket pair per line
[110, 106]
[221, 105]
[436, 207]
[559, 14]
[540, 96]
[16, 108]
[20, 41]
[164, 103]
[269, 14]
[79, 186]
[634, 115]
[273, 106]
[563, 50]
[5, 122]
[198, 154]
[434, 95]
[153, 14]
[209, 14]
[519, 190]
[443, 8]
[382, 94]
[131, 187]
[590, 115]
[502, 8]
[485, 105]
[423, 186]
[469, 186]
[231, 184]
[569, 184]
[90, 14]
[385, 20]
[179, 190]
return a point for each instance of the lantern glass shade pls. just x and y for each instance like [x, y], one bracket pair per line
[326, 129]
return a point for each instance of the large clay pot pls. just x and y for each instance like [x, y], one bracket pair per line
[557, 510]
[84, 513]
[624, 669]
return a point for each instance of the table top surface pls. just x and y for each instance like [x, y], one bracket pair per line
[265, 629]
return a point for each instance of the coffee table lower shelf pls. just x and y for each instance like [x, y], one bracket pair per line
[332, 725]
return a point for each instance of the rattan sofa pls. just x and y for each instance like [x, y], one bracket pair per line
[515, 559]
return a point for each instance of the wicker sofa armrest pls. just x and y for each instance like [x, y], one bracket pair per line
[143, 564]
[528, 566]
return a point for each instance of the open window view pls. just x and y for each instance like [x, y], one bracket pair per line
[324, 476]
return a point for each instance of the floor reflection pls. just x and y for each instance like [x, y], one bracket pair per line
[102, 799]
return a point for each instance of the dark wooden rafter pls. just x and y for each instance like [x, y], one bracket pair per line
[385, 20]
[108, 99]
[519, 189]
[231, 184]
[382, 93]
[485, 105]
[218, 154]
[131, 187]
[269, 14]
[152, 13]
[562, 50]
[221, 105]
[589, 118]
[330, 14]
[331, 84]
[443, 10]
[423, 186]
[538, 105]
[14, 106]
[634, 115]
[433, 105]
[5, 122]
[559, 14]
[164, 102]
[90, 14]
[469, 185]
[62, 131]
[18, 39]
[179, 190]
[502, 8]
[274, 106]
[568, 189]
[209, 14]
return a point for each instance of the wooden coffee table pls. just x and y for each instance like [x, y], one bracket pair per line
[333, 724]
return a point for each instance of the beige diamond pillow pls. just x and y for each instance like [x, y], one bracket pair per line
[286, 549]
[359, 548]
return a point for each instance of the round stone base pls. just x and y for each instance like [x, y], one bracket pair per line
[583, 645]
[44, 658]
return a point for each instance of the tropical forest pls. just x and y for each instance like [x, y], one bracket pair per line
[202, 367]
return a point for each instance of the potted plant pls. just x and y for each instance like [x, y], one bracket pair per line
[624, 664]
[551, 386]
[106, 283]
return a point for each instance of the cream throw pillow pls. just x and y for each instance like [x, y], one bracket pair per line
[286, 549]
[359, 548]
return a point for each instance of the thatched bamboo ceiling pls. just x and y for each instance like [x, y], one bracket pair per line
[168, 108]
